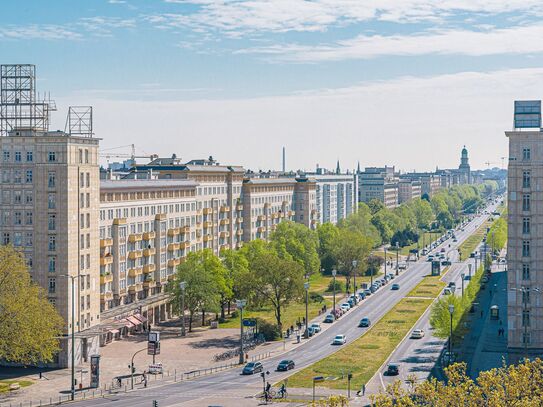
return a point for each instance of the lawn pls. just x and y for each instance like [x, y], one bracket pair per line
[469, 245]
[4, 384]
[364, 356]
[430, 286]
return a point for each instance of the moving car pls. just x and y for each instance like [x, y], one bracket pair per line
[393, 369]
[316, 327]
[329, 319]
[339, 340]
[395, 286]
[417, 334]
[447, 291]
[252, 368]
[364, 322]
[285, 365]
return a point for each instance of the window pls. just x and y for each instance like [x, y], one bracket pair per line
[82, 303]
[17, 178]
[525, 271]
[5, 177]
[526, 154]
[82, 241]
[29, 176]
[17, 239]
[525, 226]
[28, 239]
[17, 156]
[88, 301]
[82, 179]
[52, 285]
[88, 179]
[29, 197]
[525, 248]
[526, 179]
[52, 156]
[52, 179]
[6, 156]
[526, 338]
[88, 240]
[29, 156]
[29, 218]
[526, 318]
[526, 202]
[17, 197]
[86, 156]
[80, 156]
[5, 238]
[52, 243]
[526, 297]
[17, 218]
[82, 264]
[52, 264]
[52, 222]
[51, 201]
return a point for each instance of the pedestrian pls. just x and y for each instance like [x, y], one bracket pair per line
[500, 322]
[144, 379]
[364, 389]
[481, 313]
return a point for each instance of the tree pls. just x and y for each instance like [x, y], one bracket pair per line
[351, 246]
[297, 242]
[423, 213]
[237, 277]
[29, 323]
[374, 265]
[360, 221]
[327, 234]
[276, 282]
[206, 284]
[375, 206]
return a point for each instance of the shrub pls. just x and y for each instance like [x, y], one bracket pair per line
[270, 331]
[316, 297]
[339, 286]
[234, 314]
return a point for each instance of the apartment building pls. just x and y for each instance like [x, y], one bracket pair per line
[408, 189]
[336, 195]
[525, 238]
[430, 182]
[378, 183]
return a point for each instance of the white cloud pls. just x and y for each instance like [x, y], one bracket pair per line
[515, 40]
[35, 31]
[103, 26]
[237, 18]
[410, 122]
[116, 1]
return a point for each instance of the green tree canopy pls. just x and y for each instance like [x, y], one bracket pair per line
[328, 234]
[29, 324]
[351, 246]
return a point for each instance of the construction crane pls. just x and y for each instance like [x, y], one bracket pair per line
[132, 154]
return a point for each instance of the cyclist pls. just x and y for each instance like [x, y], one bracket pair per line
[283, 391]
[267, 391]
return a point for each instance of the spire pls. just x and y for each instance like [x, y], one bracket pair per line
[358, 168]
[338, 169]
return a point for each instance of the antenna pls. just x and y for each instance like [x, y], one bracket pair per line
[284, 160]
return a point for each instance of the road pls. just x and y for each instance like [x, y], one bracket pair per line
[230, 386]
[419, 356]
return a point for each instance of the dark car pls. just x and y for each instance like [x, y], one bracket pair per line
[285, 365]
[364, 322]
[393, 369]
[395, 286]
[252, 368]
[362, 295]
[329, 319]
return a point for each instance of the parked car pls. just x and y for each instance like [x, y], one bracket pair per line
[329, 319]
[364, 322]
[316, 327]
[345, 306]
[285, 365]
[393, 369]
[391, 276]
[362, 295]
[417, 334]
[395, 286]
[252, 368]
[368, 292]
[339, 340]
[310, 332]
[373, 288]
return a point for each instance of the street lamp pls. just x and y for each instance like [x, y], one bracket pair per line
[182, 286]
[72, 388]
[306, 286]
[463, 275]
[397, 253]
[451, 311]
[355, 264]
[334, 272]
[240, 304]
[469, 270]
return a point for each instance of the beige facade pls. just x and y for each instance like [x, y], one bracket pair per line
[378, 183]
[525, 240]
[408, 190]
[49, 211]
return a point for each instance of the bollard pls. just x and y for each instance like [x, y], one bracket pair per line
[125, 388]
[175, 375]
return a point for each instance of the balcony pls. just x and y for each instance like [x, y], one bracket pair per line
[174, 262]
[275, 215]
[225, 221]
[149, 235]
[171, 277]
[239, 232]
[239, 207]
[135, 237]
[207, 211]
[207, 238]
[224, 234]
[173, 247]
[132, 289]
[208, 224]
[106, 242]
[173, 232]
[149, 284]
[106, 278]
[184, 245]
[108, 296]
[224, 209]
[185, 229]
[239, 220]
[149, 252]
[104, 261]
[136, 271]
[149, 268]
[260, 229]
[160, 216]
[135, 254]
[260, 218]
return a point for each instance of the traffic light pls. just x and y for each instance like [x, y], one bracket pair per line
[155, 403]
[349, 376]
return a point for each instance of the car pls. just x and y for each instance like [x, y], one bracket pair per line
[329, 319]
[442, 250]
[285, 365]
[252, 368]
[345, 306]
[364, 322]
[351, 302]
[387, 278]
[417, 334]
[455, 240]
[339, 340]
[395, 286]
[362, 295]
[447, 291]
[393, 369]
[316, 327]
[373, 288]
[446, 263]
[368, 292]
[310, 332]
[391, 276]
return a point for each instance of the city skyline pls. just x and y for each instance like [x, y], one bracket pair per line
[211, 77]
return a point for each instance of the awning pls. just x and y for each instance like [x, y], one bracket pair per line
[140, 318]
[129, 324]
[114, 331]
[134, 320]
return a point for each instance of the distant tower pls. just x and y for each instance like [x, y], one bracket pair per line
[284, 160]
[338, 169]
[358, 168]
[464, 167]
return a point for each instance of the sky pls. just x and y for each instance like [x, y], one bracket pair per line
[397, 82]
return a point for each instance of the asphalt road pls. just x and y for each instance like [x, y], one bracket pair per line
[230, 385]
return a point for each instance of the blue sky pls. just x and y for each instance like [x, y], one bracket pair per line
[404, 82]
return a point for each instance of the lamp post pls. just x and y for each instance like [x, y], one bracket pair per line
[462, 276]
[397, 253]
[306, 286]
[355, 264]
[334, 272]
[72, 387]
[182, 286]
[240, 304]
[385, 265]
[451, 311]
[469, 270]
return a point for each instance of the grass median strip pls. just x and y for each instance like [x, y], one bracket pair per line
[364, 356]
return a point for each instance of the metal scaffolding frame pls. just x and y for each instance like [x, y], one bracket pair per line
[79, 121]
